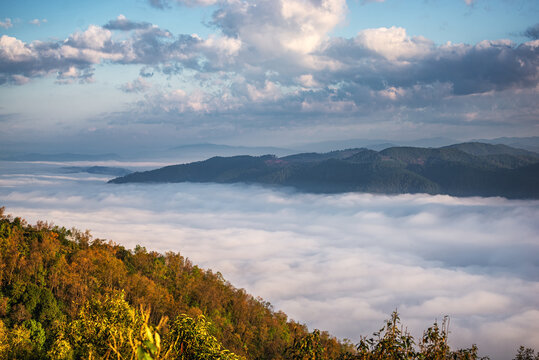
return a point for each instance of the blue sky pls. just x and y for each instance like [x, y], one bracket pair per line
[65, 17]
[114, 75]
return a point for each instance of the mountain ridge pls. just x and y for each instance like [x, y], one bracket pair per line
[466, 169]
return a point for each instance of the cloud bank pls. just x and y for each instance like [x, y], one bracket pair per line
[272, 69]
[280, 44]
[340, 262]
[284, 42]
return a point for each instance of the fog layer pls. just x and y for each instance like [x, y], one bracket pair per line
[340, 263]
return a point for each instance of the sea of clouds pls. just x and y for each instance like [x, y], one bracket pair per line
[340, 263]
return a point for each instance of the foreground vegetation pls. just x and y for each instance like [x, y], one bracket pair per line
[66, 296]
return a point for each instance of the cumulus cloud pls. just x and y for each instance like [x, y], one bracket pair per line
[277, 58]
[377, 56]
[147, 45]
[82, 50]
[376, 69]
[73, 74]
[354, 256]
[280, 31]
[283, 42]
[393, 43]
[14, 49]
[76, 54]
[95, 38]
[136, 86]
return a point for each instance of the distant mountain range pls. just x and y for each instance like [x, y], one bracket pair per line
[530, 143]
[199, 151]
[527, 143]
[467, 169]
[100, 170]
[374, 144]
[58, 157]
[205, 150]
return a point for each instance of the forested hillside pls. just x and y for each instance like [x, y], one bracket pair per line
[64, 295]
[468, 169]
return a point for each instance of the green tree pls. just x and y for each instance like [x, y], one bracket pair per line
[526, 354]
[191, 340]
[390, 342]
[307, 347]
[433, 345]
[26, 341]
[104, 327]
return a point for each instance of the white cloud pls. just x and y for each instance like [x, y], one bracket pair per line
[392, 92]
[280, 31]
[281, 55]
[73, 74]
[307, 80]
[20, 79]
[95, 37]
[136, 86]
[394, 44]
[179, 101]
[354, 256]
[13, 49]
[6, 24]
[474, 303]
[38, 22]
[220, 50]
[270, 91]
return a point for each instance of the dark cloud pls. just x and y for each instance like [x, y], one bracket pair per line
[487, 66]
[122, 23]
[532, 32]
[20, 61]
[146, 72]
[163, 4]
[76, 56]
[160, 4]
[484, 67]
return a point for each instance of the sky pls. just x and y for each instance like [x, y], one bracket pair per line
[113, 76]
[145, 75]
[340, 263]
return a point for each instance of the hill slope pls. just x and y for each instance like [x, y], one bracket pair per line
[51, 278]
[66, 296]
[469, 169]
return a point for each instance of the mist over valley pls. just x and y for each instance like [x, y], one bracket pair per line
[356, 256]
